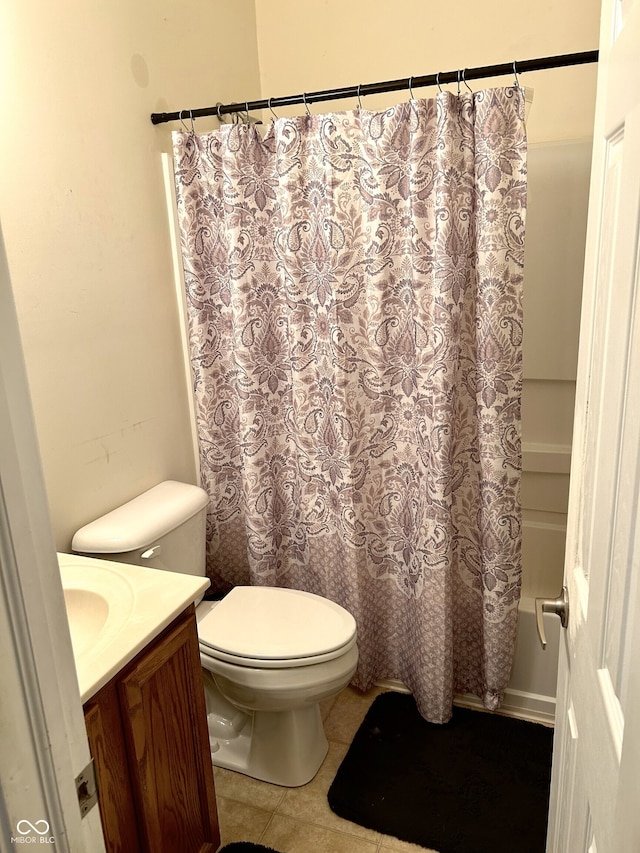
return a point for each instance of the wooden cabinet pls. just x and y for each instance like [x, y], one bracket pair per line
[148, 736]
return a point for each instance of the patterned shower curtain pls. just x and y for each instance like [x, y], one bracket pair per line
[353, 283]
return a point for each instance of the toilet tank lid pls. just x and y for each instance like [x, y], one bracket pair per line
[141, 521]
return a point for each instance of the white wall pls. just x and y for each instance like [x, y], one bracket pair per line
[85, 222]
[556, 232]
[305, 47]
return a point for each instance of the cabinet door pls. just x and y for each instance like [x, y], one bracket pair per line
[164, 718]
[104, 730]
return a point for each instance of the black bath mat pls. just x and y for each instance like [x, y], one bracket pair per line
[245, 847]
[478, 784]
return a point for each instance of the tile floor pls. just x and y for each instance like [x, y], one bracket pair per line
[299, 820]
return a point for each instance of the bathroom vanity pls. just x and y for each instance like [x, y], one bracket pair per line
[135, 644]
[148, 737]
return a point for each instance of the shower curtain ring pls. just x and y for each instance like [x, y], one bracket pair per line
[458, 94]
[515, 74]
[193, 127]
[410, 88]
[182, 120]
[271, 109]
[304, 101]
[438, 82]
[359, 101]
[464, 80]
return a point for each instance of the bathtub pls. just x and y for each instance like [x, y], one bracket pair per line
[531, 692]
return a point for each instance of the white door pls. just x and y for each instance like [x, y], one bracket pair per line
[595, 793]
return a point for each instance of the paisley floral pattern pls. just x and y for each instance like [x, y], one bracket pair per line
[353, 283]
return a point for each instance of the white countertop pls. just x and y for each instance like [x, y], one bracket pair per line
[116, 609]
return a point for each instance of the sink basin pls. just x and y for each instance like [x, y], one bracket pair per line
[98, 605]
[115, 609]
[87, 613]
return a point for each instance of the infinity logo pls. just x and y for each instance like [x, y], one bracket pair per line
[24, 827]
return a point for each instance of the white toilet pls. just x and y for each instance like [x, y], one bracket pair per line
[269, 654]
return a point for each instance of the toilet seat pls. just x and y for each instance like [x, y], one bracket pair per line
[206, 652]
[274, 628]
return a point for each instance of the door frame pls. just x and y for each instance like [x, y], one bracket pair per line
[41, 709]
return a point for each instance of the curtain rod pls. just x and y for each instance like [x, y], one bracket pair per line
[361, 91]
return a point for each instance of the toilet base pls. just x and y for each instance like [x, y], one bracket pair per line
[281, 747]
[284, 748]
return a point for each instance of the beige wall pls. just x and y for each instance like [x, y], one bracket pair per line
[85, 222]
[308, 46]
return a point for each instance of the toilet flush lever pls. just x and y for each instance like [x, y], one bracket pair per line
[150, 553]
[559, 606]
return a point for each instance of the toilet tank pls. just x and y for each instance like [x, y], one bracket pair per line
[164, 528]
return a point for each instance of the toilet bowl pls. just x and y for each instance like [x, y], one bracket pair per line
[272, 655]
[269, 654]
